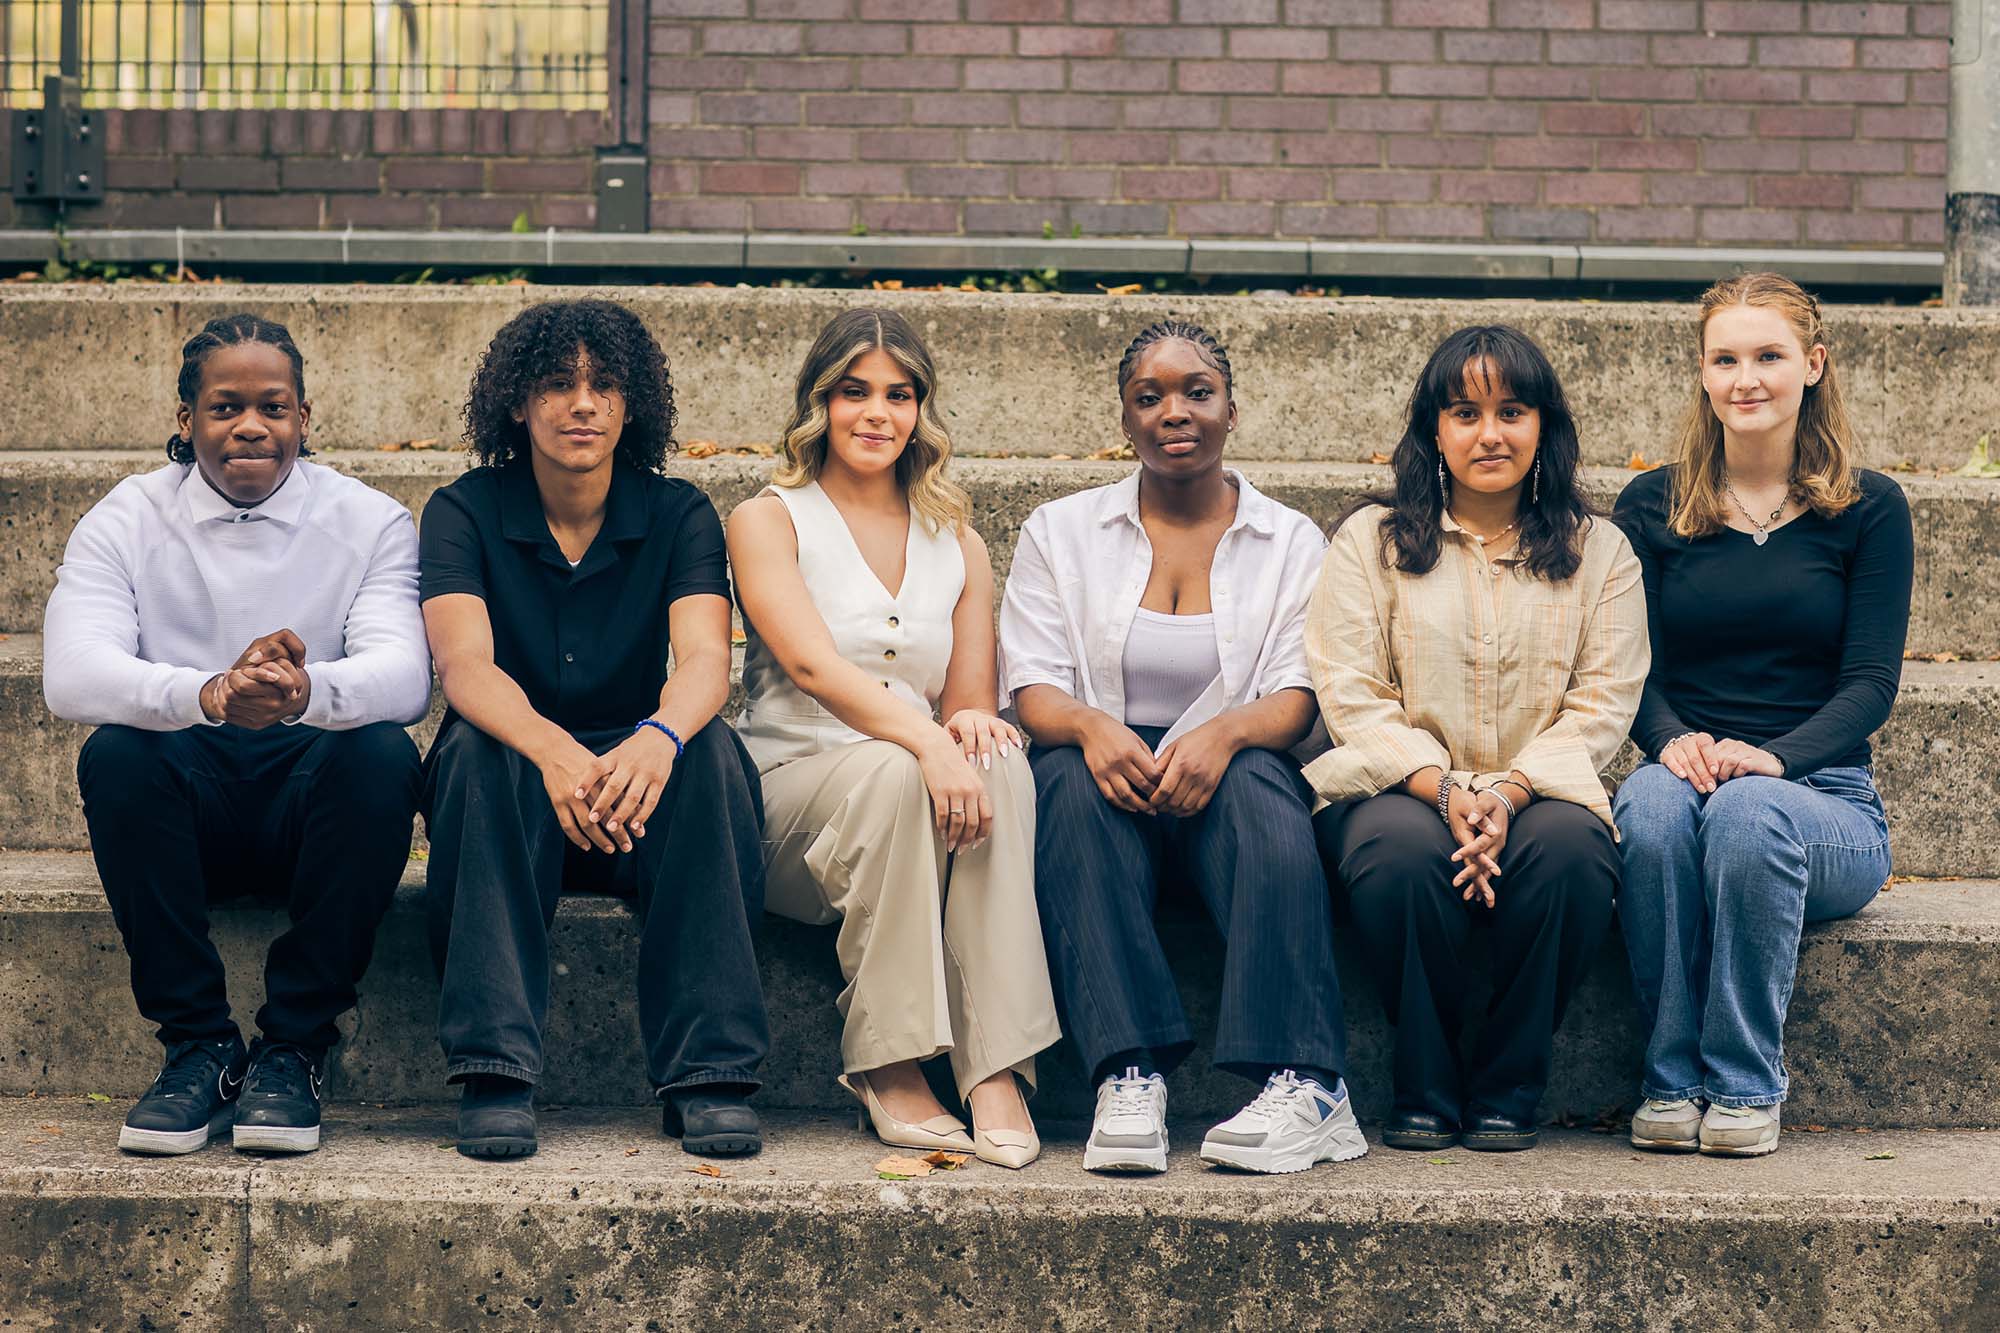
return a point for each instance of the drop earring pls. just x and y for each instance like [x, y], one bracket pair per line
[1444, 487]
[1535, 484]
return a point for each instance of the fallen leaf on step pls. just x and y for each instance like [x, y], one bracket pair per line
[51, 1129]
[1815, 1129]
[631, 1152]
[947, 1161]
[902, 1168]
[1638, 463]
[1880, 1157]
[97, 1097]
[1061, 458]
[1443, 1161]
[1378, 458]
[709, 1169]
[1122, 289]
[702, 449]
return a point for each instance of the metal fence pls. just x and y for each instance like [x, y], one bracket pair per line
[316, 53]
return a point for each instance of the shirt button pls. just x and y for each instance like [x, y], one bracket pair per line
[569, 657]
[889, 654]
[893, 622]
[1486, 638]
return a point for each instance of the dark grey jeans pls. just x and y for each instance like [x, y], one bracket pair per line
[499, 863]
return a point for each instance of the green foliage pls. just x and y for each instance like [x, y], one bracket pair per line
[1982, 463]
[521, 224]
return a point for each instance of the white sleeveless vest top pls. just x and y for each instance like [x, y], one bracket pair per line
[903, 641]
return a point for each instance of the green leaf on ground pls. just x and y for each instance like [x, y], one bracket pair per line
[1443, 1161]
[97, 1097]
[1982, 463]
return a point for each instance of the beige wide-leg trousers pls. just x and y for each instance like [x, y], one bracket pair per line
[940, 953]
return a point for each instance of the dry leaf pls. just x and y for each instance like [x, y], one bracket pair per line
[1378, 458]
[702, 449]
[947, 1161]
[631, 1152]
[430, 443]
[1815, 1129]
[1114, 453]
[902, 1168]
[1638, 463]
[1061, 458]
[1932, 657]
[1880, 1157]
[761, 450]
[1122, 289]
[51, 1129]
[709, 1169]
[394, 447]
[888, 284]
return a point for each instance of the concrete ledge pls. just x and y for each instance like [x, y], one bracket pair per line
[1317, 379]
[606, 1227]
[1894, 1021]
[1955, 605]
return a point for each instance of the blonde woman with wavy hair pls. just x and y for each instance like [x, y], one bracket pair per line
[1777, 581]
[868, 601]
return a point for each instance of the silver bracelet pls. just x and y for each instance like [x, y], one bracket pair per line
[1676, 741]
[1500, 796]
[1445, 784]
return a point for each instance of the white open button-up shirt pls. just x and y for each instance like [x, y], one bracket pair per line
[1081, 567]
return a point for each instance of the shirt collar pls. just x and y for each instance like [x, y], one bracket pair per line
[1446, 523]
[1254, 509]
[522, 519]
[286, 505]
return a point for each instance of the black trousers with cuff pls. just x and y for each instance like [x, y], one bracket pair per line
[1388, 857]
[499, 864]
[315, 821]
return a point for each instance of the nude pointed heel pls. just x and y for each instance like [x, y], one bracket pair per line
[1006, 1147]
[940, 1131]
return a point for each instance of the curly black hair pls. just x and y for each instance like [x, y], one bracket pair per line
[1169, 330]
[230, 331]
[542, 341]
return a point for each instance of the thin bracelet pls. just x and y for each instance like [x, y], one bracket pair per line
[679, 749]
[1500, 796]
[1527, 792]
[1445, 784]
[1676, 741]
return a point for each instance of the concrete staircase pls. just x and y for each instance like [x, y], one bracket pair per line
[1887, 1218]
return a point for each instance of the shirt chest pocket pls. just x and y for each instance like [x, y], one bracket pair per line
[1546, 641]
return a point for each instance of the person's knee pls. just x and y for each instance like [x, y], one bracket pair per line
[1254, 782]
[376, 763]
[120, 767]
[895, 775]
[1063, 782]
[1748, 813]
[1653, 807]
[465, 756]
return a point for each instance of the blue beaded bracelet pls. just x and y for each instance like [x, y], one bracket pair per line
[679, 749]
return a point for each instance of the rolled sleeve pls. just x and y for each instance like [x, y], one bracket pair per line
[1034, 648]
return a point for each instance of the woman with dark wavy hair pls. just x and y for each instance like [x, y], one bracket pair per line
[1478, 644]
[557, 579]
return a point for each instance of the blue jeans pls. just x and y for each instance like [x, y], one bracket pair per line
[1717, 891]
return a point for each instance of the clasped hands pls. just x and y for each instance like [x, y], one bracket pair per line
[603, 801]
[1707, 763]
[266, 684]
[1180, 780]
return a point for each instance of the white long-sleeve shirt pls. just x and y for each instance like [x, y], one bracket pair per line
[164, 583]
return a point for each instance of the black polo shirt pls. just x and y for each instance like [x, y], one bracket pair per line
[587, 645]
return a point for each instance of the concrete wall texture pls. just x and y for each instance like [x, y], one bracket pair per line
[1714, 122]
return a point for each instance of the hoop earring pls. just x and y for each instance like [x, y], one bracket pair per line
[1535, 484]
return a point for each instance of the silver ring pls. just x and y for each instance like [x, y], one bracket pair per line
[957, 810]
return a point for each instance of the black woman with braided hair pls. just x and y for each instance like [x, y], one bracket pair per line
[1151, 638]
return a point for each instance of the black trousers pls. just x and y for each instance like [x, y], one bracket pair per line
[316, 820]
[1553, 901]
[498, 866]
[1250, 856]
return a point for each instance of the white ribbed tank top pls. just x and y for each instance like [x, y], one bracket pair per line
[902, 640]
[1169, 661]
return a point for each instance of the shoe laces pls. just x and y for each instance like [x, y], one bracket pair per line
[280, 1068]
[1131, 1095]
[189, 1068]
[1282, 1092]
[1659, 1105]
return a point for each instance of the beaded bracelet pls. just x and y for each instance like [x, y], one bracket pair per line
[1445, 784]
[669, 732]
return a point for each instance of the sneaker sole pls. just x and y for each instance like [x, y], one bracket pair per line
[1666, 1145]
[276, 1138]
[1744, 1150]
[498, 1147]
[1341, 1148]
[172, 1143]
[1125, 1161]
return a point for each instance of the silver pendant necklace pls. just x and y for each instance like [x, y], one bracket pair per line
[1763, 533]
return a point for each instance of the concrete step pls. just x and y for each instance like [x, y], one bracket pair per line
[1928, 762]
[1895, 1021]
[1955, 606]
[386, 1228]
[1316, 378]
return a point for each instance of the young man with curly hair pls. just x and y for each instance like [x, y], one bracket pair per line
[556, 577]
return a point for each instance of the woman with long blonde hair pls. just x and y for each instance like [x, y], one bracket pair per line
[1778, 589]
[868, 601]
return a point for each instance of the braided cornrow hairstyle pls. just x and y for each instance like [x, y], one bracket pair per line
[230, 331]
[1167, 330]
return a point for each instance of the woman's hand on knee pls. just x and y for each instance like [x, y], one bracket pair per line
[1123, 767]
[1191, 769]
[1740, 759]
[1692, 757]
[962, 809]
[982, 736]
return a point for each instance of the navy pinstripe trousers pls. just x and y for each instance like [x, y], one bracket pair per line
[1251, 857]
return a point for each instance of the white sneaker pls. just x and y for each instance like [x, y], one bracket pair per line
[1740, 1131]
[1667, 1126]
[1290, 1126]
[1129, 1131]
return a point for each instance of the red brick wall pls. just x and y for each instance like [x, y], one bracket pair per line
[1747, 122]
[327, 169]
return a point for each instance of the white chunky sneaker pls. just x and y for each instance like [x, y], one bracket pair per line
[1667, 1126]
[1129, 1131]
[1740, 1131]
[1290, 1126]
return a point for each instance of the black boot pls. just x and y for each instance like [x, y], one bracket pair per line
[496, 1117]
[279, 1110]
[192, 1100]
[713, 1121]
[1421, 1131]
[1489, 1131]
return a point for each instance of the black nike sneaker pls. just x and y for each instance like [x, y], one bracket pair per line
[279, 1110]
[192, 1100]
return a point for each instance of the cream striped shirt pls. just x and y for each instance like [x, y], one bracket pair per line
[1477, 667]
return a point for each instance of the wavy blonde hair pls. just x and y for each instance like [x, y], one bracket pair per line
[1823, 455]
[920, 467]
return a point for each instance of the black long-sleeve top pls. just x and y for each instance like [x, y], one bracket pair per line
[1795, 646]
